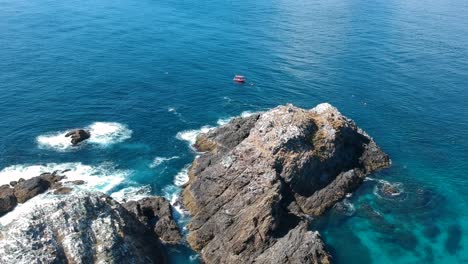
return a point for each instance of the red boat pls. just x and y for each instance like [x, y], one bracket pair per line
[239, 79]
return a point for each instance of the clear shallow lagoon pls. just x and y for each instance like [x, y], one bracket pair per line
[142, 74]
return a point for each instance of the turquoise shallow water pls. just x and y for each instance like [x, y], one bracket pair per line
[142, 74]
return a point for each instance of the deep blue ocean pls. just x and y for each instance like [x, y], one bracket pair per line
[145, 76]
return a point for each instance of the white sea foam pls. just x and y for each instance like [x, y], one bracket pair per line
[38, 200]
[132, 193]
[102, 134]
[172, 194]
[182, 176]
[160, 160]
[246, 114]
[396, 189]
[103, 177]
[191, 135]
[172, 191]
[223, 121]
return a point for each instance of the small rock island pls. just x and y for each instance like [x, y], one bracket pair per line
[78, 135]
[252, 192]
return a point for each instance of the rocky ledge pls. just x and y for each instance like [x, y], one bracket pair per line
[82, 227]
[22, 190]
[261, 178]
[69, 225]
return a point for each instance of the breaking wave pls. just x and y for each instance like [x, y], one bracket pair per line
[103, 177]
[182, 176]
[190, 136]
[132, 193]
[102, 134]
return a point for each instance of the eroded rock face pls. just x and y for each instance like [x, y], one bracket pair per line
[156, 214]
[81, 227]
[78, 135]
[261, 177]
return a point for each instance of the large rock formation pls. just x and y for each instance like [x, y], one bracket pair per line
[156, 214]
[81, 227]
[78, 135]
[261, 178]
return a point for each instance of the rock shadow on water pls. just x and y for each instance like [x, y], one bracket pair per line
[431, 232]
[404, 239]
[454, 236]
[390, 233]
[347, 247]
[336, 217]
[376, 219]
[429, 255]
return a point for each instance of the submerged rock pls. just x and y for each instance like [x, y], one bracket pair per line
[251, 193]
[454, 235]
[156, 214]
[81, 227]
[78, 135]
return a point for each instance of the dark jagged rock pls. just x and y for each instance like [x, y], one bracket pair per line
[156, 214]
[77, 182]
[82, 227]
[23, 190]
[27, 189]
[8, 199]
[78, 135]
[260, 178]
[63, 190]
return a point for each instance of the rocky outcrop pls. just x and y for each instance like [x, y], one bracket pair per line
[23, 190]
[156, 214]
[8, 199]
[81, 227]
[78, 135]
[261, 178]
